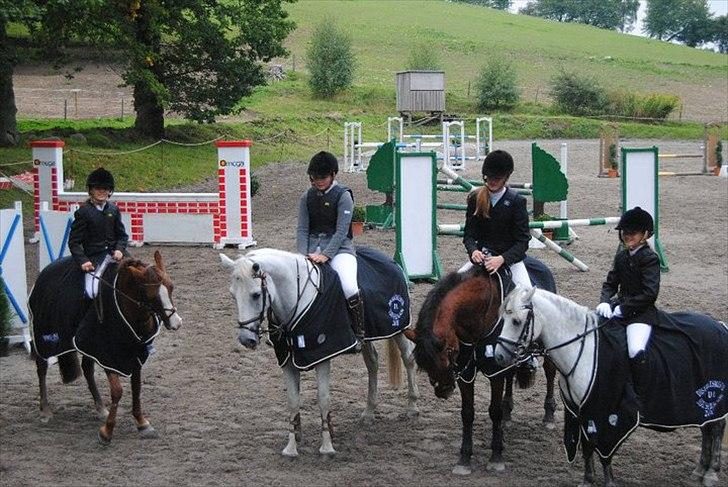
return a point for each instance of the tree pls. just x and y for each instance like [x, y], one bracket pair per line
[423, 58]
[194, 57]
[496, 85]
[720, 33]
[499, 4]
[686, 21]
[330, 59]
[605, 14]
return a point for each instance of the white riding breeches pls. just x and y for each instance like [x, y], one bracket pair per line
[346, 267]
[638, 334]
[518, 272]
[91, 282]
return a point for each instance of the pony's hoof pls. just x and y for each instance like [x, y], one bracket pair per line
[148, 432]
[586, 484]
[495, 466]
[102, 440]
[45, 417]
[290, 452]
[102, 414]
[327, 452]
[549, 425]
[367, 417]
[413, 413]
[698, 473]
[461, 470]
[710, 479]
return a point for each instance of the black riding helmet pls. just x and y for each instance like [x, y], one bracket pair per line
[100, 178]
[323, 164]
[636, 220]
[498, 164]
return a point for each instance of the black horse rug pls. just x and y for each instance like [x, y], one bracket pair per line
[687, 363]
[63, 320]
[479, 356]
[325, 330]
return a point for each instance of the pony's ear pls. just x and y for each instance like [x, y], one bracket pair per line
[410, 333]
[158, 260]
[227, 261]
[529, 294]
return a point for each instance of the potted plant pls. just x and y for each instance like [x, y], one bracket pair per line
[613, 172]
[718, 157]
[358, 217]
[545, 217]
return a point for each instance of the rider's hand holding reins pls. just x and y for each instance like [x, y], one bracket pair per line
[87, 266]
[117, 255]
[477, 257]
[604, 310]
[318, 258]
[493, 263]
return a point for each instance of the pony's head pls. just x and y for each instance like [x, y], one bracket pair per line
[156, 287]
[520, 330]
[248, 286]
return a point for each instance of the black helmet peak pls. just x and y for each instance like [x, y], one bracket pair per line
[323, 164]
[100, 178]
[498, 164]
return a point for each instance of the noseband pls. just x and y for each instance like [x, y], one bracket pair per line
[522, 347]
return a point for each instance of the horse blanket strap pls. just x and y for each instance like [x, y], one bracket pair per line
[686, 383]
[322, 332]
[480, 357]
[386, 295]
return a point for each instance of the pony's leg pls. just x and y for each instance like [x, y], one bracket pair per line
[507, 405]
[549, 404]
[705, 450]
[107, 430]
[495, 410]
[607, 470]
[41, 368]
[87, 365]
[587, 451]
[144, 428]
[406, 347]
[371, 360]
[293, 376]
[715, 433]
[467, 414]
[323, 378]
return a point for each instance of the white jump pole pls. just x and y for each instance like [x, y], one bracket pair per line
[478, 139]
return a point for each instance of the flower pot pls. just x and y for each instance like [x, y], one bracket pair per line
[357, 228]
[716, 170]
[612, 173]
[548, 233]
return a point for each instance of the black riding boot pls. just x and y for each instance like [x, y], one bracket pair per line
[640, 374]
[356, 309]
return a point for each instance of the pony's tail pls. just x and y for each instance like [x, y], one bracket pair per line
[69, 367]
[525, 376]
[394, 364]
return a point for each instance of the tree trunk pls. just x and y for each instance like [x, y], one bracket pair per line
[149, 112]
[8, 125]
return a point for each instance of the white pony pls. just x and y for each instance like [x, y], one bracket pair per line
[570, 336]
[270, 281]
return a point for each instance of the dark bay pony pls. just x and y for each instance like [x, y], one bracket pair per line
[133, 299]
[459, 315]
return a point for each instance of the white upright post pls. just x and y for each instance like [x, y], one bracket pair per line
[234, 224]
[12, 268]
[47, 168]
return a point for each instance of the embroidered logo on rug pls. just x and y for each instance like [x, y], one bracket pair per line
[613, 419]
[709, 396]
[396, 309]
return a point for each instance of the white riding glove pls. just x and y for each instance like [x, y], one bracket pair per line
[604, 310]
[617, 313]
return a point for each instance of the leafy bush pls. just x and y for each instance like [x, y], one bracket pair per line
[496, 85]
[330, 60]
[359, 214]
[658, 105]
[254, 185]
[96, 139]
[4, 311]
[423, 57]
[577, 94]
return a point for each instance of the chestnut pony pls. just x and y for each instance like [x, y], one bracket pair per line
[460, 311]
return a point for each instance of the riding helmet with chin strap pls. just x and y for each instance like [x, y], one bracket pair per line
[100, 178]
[498, 164]
[636, 220]
[323, 164]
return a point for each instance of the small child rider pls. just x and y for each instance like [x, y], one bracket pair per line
[630, 290]
[324, 231]
[97, 235]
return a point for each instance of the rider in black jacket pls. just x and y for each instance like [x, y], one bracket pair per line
[97, 234]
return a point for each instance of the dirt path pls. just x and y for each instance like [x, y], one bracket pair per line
[220, 410]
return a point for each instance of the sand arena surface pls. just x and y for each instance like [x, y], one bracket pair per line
[220, 410]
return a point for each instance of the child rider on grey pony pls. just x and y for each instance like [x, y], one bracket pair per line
[324, 231]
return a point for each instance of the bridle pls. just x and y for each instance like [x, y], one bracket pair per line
[254, 325]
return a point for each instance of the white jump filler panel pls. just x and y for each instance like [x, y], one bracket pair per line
[415, 215]
[12, 268]
[222, 218]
